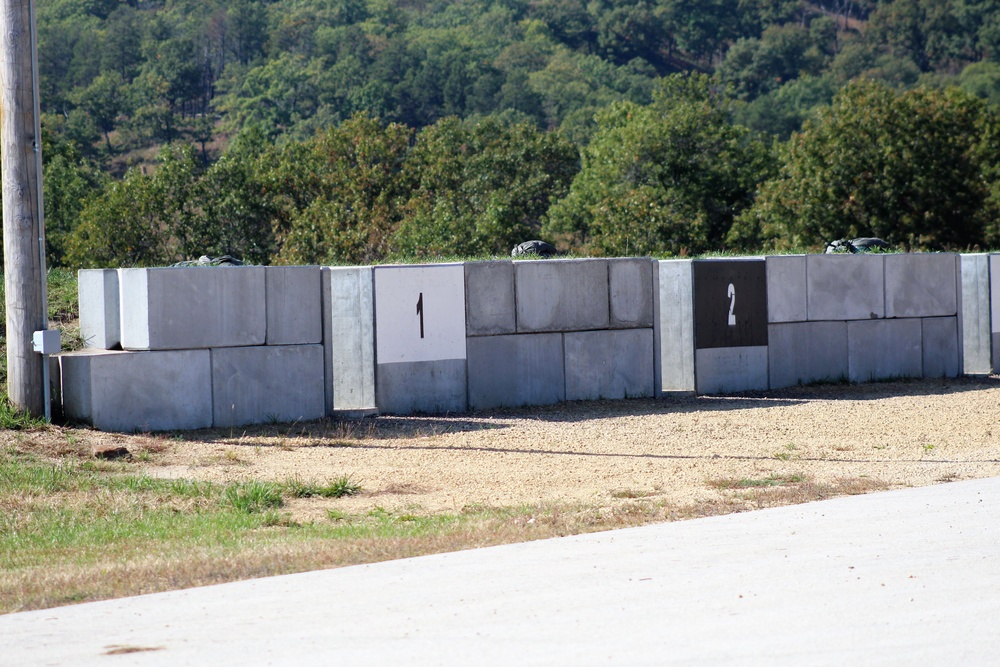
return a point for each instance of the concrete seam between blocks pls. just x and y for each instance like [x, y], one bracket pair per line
[375, 339]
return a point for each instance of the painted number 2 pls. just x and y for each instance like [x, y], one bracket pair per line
[731, 293]
[420, 312]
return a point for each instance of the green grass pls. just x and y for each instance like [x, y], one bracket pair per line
[336, 488]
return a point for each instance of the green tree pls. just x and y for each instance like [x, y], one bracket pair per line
[481, 186]
[667, 178]
[907, 168]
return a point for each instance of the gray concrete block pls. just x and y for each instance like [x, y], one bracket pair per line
[786, 288]
[675, 321]
[97, 291]
[561, 295]
[294, 305]
[845, 287]
[273, 383]
[722, 370]
[138, 391]
[974, 314]
[608, 364]
[884, 349]
[429, 387]
[806, 352]
[921, 285]
[940, 346]
[994, 310]
[349, 339]
[517, 370]
[192, 307]
[630, 286]
[489, 298]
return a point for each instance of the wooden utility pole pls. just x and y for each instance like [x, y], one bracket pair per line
[23, 238]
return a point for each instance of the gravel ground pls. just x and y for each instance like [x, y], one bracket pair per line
[675, 451]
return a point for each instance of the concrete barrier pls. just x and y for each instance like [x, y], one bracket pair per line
[675, 319]
[975, 326]
[489, 298]
[921, 285]
[294, 305]
[255, 385]
[349, 340]
[941, 349]
[884, 349]
[807, 352]
[138, 391]
[97, 291]
[721, 370]
[561, 295]
[516, 370]
[190, 308]
[994, 310]
[845, 287]
[630, 290]
[786, 288]
[609, 364]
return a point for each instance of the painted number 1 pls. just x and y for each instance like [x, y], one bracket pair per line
[420, 312]
[731, 293]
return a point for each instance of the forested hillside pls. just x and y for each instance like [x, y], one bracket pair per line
[358, 130]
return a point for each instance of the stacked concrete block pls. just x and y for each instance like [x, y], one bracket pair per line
[292, 297]
[730, 325]
[97, 291]
[349, 340]
[183, 308]
[675, 316]
[845, 287]
[807, 352]
[489, 298]
[272, 383]
[516, 370]
[941, 347]
[921, 285]
[562, 295]
[975, 326]
[884, 349]
[420, 339]
[138, 391]
[786, 288]
[994, 284]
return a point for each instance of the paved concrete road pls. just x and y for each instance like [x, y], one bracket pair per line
[900, 578]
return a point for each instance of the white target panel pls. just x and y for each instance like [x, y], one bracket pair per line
[419, 313]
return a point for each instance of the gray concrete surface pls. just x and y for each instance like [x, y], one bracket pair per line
[675, 319]
[138, 391]
[884, 349]
[630, 289]
[903, 578]
[804, 352]
[181, 308]
[845, 287]
[561, 295]
[974, 319]
[294, 305]
[349, 338]
[489, 298]
[511, 371]
[97, 292]
[430, 387]
[721, 370]
[608, 364]
[940, 346]
[262, 384]
[786, 288]
[921, 285]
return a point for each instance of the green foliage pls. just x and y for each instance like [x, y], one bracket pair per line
[664, 179]
[908, 168]
[254, 496]
[481, 186]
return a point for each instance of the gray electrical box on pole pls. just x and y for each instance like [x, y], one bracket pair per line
[23, 235]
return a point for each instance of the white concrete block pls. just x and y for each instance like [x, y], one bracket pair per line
[419, 313]
[273, 383]
[138, 391]
[192, 307]
[723, 370]
[561, 295]
[806, 352]
[884, 349]
[294, 305]
[349, 339]
[489, 298]
[676, 325]
[786, 288]
[921, 285]
[516, 370]
[97, 290]
[609, 364]
[845, 287]
[630, 285]
[939, 337]
[974, 314]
